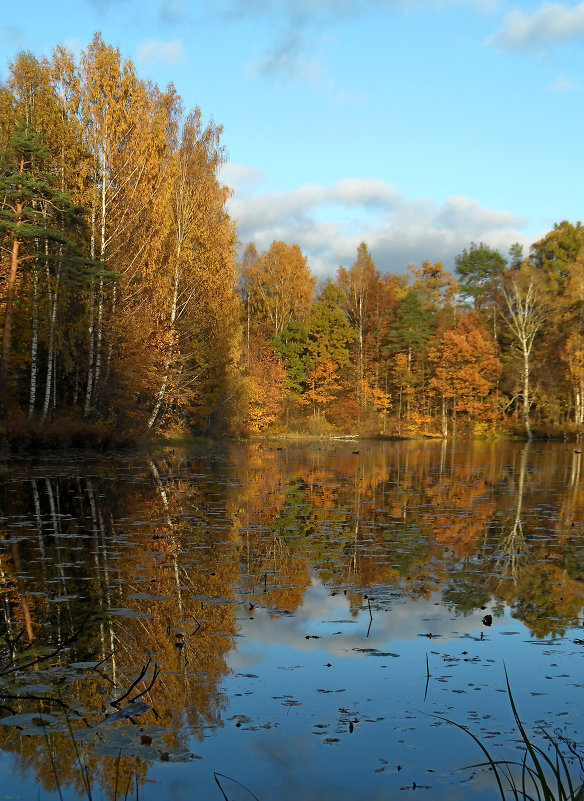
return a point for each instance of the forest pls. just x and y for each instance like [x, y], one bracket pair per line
[129, 308]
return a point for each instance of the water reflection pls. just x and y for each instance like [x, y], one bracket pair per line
[279, 592]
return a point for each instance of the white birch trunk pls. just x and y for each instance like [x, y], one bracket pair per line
[526, 401]
[166, 375]
[100, 299]
[444, 418]
[54, 300]
[90, 328]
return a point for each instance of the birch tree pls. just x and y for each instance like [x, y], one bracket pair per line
[358, 284]
[526, 308]
[125, 132]
[280, 287]
[200, 311]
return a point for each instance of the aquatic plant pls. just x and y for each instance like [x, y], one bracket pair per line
[540, 774]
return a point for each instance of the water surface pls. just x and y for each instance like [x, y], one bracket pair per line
[300, 619]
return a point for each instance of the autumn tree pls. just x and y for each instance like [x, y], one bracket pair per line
[200, 234]
[41, 102]
[573, 359]
[358, 284]
[8, 115]
[278, 286]
[249, 259]
[124, 125]
[434, 285]
[466, 369]
[262, 391]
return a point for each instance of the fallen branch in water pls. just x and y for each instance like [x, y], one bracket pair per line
[143, 672]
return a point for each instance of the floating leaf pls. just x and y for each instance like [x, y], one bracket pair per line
[36, 723]
[130, 711]
[123, 612]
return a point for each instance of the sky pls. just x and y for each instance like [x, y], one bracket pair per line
[416, 126]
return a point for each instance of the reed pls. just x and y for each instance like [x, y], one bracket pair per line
[541, 775]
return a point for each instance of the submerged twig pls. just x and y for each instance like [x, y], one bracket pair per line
[109, 656]
[143, 672]
[49, 698]
[428, 674]
[12, 643]
[370, 617]
[223, 776]
[58, 649]
[155, 674]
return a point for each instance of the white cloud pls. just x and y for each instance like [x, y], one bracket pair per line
[398, 620]
[553, 23]
[563, 85]
[170, 52]
[329, 223]
[242, 175]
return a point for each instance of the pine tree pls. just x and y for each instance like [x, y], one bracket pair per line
[412, 329]
[479, 269]
[32, 214]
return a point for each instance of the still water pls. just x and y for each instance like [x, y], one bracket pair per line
[290, 623]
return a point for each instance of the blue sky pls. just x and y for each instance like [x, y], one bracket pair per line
[416, 126]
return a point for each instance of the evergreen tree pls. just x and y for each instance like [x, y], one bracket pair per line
[556, 253]
[32, 214]
[329, 332]
[479, 269]
[412, 329]
[292, 347]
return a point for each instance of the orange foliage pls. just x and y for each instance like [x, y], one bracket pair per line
[466, 366]
[323, 385]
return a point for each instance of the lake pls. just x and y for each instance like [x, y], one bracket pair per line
[292, 622]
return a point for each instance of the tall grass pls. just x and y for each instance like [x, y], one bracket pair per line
[542, 774]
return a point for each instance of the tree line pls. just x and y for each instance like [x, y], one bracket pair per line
[497, 346]
[127, 303]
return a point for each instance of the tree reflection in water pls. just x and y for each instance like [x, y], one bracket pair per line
[180, 560]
